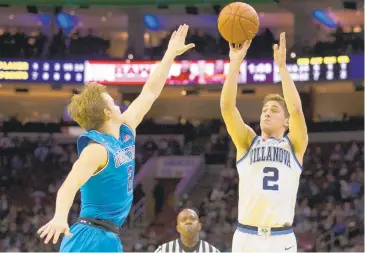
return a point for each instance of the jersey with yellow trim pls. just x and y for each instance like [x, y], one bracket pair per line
[269, 178]
[108, 194]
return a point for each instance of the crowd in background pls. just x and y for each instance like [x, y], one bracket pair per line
[330, 197]
[330, 200]
[329, 209]
[31, 173]
[212, 47]
[341, 43]
[32, 170]
[15, 43]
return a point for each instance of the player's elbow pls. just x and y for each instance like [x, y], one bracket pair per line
[226, 110]
[68, 188]
[227, 104]
[295, 110]
[150, 94]
[64, 191]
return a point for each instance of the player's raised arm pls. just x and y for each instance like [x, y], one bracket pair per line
[298, 134]
[241, 134]
[94, 156]
[155, 83]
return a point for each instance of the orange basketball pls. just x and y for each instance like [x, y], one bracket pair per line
[238, 22]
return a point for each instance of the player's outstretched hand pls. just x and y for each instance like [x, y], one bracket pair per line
[177, 42]
[280, 51]
[54, 229]
[237, 52]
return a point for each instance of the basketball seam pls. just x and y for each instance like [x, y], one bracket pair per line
[234, 18]
[230, 14]
[239, 16]
[243, 29]
[245, 11]
[225, 22]
[249, 20]
[234, 15]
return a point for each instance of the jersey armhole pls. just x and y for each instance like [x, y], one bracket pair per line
[106, 164]
[293, 153]
[90, 140]
[129, 128]
[248, 150]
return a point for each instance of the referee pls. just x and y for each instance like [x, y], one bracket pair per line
[188, 226]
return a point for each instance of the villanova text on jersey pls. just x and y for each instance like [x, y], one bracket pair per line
[270, 154]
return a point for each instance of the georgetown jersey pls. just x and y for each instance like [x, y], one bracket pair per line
[269, 179]
[108, 194]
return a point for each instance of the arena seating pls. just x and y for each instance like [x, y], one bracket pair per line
[330, 197]
[17, 44]
[329, 211]
[330, 204]
[38, 167]
[34, 45]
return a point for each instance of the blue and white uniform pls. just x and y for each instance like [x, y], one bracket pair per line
[107, 195]
[269, 178]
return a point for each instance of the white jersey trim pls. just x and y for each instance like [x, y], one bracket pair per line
[293, 153]
[248, 150]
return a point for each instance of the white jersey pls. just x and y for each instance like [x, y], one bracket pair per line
[269, 178]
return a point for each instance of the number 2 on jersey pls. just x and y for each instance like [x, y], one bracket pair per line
[269, 181]
[130, 179]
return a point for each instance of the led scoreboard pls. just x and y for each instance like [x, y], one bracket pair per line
[205, 72]
[187, 72]
[42, 71]
[328, 68]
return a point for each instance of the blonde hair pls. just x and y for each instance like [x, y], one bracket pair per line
[279, 99]
[87, 107]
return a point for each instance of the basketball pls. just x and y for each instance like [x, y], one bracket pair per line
[238, 22]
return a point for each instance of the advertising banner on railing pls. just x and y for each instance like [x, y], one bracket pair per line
[187, 72]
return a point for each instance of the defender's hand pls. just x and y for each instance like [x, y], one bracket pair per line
[280, 51]
[177, 42]
[238, 52]
[53, 229]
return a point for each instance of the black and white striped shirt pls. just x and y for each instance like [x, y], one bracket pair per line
[177, 246]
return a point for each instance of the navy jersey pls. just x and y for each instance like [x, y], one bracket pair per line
[108, 194]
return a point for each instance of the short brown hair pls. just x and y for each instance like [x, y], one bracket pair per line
[279, 99]
[87, 107]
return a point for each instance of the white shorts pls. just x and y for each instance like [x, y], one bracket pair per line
[245, 240]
